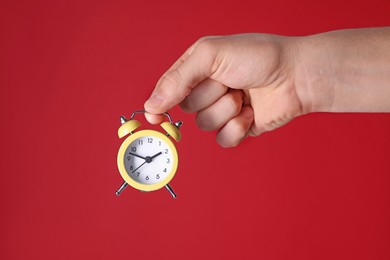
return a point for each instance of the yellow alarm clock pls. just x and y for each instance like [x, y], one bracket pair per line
[147, 160]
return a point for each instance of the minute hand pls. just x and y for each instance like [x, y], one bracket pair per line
[138, 156]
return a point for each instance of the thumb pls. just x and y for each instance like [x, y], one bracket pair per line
[178, 82]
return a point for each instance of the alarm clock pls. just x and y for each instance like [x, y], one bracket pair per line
[147, 159]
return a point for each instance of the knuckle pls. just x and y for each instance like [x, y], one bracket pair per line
[202, 39]
[239, 130]
[233, 134]
[187, 106]
[206, 45]
[207, 49]
[235, 100]
[172, 78]
[172, 82]
[202, 122]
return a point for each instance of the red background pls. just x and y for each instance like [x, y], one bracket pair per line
[317, 188]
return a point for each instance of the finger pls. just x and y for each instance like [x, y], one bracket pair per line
[236, 130]
[154, 119]
[218, 114]
[203, 95]
[177, 83]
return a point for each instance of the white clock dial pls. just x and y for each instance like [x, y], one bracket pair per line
[148, 160]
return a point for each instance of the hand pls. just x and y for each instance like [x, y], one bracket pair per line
[137, 156]
[239, 85]
[154, 156]
[139, 167]
[247, 84]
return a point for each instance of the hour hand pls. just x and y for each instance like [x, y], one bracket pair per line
[154, 156]
[136, 155]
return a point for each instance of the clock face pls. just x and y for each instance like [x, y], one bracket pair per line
[149, 159]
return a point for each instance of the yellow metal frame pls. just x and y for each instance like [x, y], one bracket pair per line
[172, 130]
[121, 158]
[128, 128]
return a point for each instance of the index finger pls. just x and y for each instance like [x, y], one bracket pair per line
[186, 73]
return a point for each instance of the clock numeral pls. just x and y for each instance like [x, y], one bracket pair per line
[159, 143]
[128, 158]
[147, 178]
[150, 140]
[166, 151]
[158, 176]
[140, 142]
[165, 170]
[168, 160]
[131, 167]
[138, 173]
[133, 149]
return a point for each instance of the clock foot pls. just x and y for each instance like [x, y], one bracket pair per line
[123, 186]
[171, 191]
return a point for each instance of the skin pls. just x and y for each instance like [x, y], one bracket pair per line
[244, 85]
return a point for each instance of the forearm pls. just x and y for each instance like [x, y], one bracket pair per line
[344, 71]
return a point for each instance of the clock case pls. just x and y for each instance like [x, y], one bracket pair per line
[128, 126]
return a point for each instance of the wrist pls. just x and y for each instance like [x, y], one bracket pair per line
[313, 73]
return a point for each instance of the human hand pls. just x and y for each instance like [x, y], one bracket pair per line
[247, 84]
[239, 85]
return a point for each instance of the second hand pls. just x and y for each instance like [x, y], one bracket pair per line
[138, 167]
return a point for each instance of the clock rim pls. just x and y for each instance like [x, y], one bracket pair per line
[122, 168]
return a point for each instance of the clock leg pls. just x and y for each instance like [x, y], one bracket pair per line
[123, 186]
[171, 191]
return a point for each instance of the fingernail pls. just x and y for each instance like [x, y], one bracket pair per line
[154, 101]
